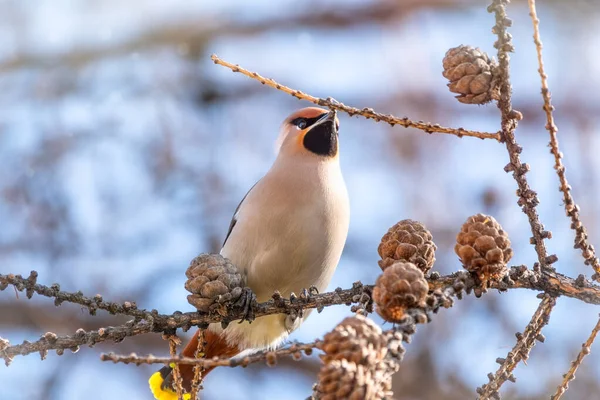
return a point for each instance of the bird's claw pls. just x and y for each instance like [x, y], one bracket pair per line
[247, 302]
[297, 310]
[305, 294]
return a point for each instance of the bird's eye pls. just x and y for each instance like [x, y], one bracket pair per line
[301, 123]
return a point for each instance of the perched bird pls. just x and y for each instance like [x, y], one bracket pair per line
[287, 234]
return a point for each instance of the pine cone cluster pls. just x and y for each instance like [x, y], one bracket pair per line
[471, 75]
[356, 339]
[402, 285]
[408, 241]
[212, 280]
[483, 248]
[343, 380]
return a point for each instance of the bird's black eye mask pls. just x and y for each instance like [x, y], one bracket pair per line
[300, 121]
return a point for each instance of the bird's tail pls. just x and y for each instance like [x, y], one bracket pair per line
[161, 382]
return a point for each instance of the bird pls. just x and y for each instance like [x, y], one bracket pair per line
[287, 234]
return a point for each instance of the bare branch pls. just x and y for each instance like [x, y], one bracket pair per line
[271, 356]
[400, 332]
[168, 323]
[527, 197]
[525, 342]
[368, 113]
[570, 375]
[174, 341]
[527, 201]
[31, 286]
[146, 322]
[51, 341]
[571, 208]
[198, 369]
[518, 277]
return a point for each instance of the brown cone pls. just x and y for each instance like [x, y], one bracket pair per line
[408, 241]
[345, 380]
[402, 285]
[212, 280]
[471, 75]
[356, 339]
[483, 247]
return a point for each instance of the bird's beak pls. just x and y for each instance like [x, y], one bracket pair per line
[330, 116]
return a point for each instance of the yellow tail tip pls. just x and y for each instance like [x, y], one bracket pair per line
[159, 393]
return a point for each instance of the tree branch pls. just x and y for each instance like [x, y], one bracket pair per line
[166, 323]
[401, 332]
[146, 322]
[294, 350]
[571, 207]
[368, 113]
[51, 341]
[527, 201]
[525, 342]
[570, 375]
[31, 286]
[519, 277]
[527, 197]
[174, 341]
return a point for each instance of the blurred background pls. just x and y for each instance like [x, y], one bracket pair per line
[124, 152]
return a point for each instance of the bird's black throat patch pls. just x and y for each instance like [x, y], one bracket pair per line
[322, 139]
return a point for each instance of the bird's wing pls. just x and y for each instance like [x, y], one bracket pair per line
[235, 215]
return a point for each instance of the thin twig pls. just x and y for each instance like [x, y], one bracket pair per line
[572, 209]
[178, 380]
[570, 375]
[525, 342]
[51, 341]
[31, 286]
[368, 113]
[293, 350]
[528, 199]
[198, 369]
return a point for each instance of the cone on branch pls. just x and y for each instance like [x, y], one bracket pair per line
[401, 286]
[344, 380]
[212, 280]
[472, 74]
[356, 339]
[483, 248]
[408, 241]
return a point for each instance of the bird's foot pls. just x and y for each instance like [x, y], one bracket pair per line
[295, 311]
[247, 302]
[307, 294]
[295, 308]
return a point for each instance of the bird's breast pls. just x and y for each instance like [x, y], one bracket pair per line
[290, 233]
